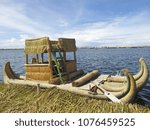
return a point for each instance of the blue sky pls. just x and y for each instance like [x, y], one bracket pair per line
[91, 22]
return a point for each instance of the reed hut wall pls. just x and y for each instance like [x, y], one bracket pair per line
[42, 73]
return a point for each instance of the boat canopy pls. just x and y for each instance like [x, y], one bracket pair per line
[40, 45]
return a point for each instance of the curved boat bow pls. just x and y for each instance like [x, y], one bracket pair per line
[140, 78]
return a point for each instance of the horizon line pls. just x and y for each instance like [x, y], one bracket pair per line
[95, 47]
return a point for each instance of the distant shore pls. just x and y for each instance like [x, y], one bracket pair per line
[12, 49]
[114, 47]
[90, 47]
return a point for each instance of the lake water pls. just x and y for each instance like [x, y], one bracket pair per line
[108, 61]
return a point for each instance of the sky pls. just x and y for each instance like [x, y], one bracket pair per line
[93, 23]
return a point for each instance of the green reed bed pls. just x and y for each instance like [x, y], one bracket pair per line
[15, 98]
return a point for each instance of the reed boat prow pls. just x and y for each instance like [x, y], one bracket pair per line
[141, 77]
[8, 73]
[137, 76]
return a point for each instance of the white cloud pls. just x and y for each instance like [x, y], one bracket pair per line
[133, 29]
[14, 17]
[14, 42]
[11, 43]
[23, 37]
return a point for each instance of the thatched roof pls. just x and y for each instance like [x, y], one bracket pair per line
[34, 46]
[40, 45]
[67, 44]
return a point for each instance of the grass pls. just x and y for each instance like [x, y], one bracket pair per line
[15, 98]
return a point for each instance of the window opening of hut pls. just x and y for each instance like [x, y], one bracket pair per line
[69, 56]
[45, 58]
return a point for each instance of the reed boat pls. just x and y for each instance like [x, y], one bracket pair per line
[61, 73]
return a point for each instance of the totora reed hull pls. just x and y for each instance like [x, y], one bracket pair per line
[120, 89]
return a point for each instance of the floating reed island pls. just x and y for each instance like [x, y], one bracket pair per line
[18, 98]
[47, 66]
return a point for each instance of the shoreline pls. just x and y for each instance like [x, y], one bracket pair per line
[88, 47]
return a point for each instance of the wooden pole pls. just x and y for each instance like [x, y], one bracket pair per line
[50, 58]
[74, 55]
[64, 53]
[26, 58]
[38, 89]
[37, 58]
[42, 57]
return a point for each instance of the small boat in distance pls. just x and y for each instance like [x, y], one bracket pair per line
[50, 67]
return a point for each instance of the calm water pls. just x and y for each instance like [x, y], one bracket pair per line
[108, 61]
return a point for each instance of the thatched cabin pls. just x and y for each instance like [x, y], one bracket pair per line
[47, 60]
